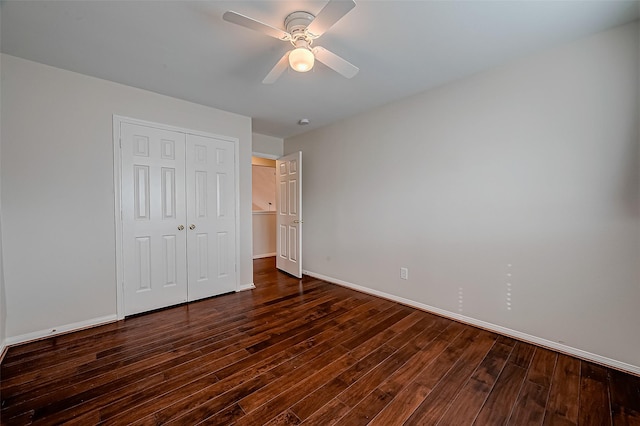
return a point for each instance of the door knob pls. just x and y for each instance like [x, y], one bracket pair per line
[192, 227]
[180, 227]
[298, 221]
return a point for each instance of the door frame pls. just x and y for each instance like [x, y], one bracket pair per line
[118, 120]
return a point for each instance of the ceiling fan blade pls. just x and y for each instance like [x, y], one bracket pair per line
[252, 24]
[329, 15]
[335, 62]
[277, 70]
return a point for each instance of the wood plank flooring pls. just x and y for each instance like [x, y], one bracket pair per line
[304, 352]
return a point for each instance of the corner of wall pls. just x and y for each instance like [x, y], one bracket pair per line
[3, 303]
[3, 299]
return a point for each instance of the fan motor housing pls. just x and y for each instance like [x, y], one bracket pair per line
[297, 22]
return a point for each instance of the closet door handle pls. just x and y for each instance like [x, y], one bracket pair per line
[192, 227]
[180, 227]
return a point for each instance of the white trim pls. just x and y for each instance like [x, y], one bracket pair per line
[162, 126]
[262, 256]
[267, 156]
[117, 186]
[245, 287]
[272, 212]
[236, 165]
[3, 351]
[62, 329]
[579, 353]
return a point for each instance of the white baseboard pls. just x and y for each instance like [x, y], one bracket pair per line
[261, 256]
[3, 351]
[67, 328]
[569, 350]
[245, 287]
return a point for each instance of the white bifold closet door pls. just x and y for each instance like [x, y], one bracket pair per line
[211, 234]
[178, 217]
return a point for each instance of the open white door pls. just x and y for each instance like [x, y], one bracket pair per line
[289, 217]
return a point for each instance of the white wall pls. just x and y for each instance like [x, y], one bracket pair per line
[525, 175]
[267, 145]
[264, 234]
[263, 187]
[3, 306]
[58, 195]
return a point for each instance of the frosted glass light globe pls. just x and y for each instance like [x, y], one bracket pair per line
[301, 59]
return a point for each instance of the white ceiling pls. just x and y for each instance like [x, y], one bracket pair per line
[184, 49]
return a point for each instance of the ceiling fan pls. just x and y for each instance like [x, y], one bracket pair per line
[302, 28]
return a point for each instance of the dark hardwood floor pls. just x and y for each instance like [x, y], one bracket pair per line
[292, 352]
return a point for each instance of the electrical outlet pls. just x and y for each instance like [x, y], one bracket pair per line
[404, 273]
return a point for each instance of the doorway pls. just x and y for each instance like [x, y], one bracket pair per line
[264, 207]
[287, 216]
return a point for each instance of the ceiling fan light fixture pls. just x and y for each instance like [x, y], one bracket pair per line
[301, 59]
[302, 29]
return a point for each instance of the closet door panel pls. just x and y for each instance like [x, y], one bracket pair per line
[153, 209]
[211, 251]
